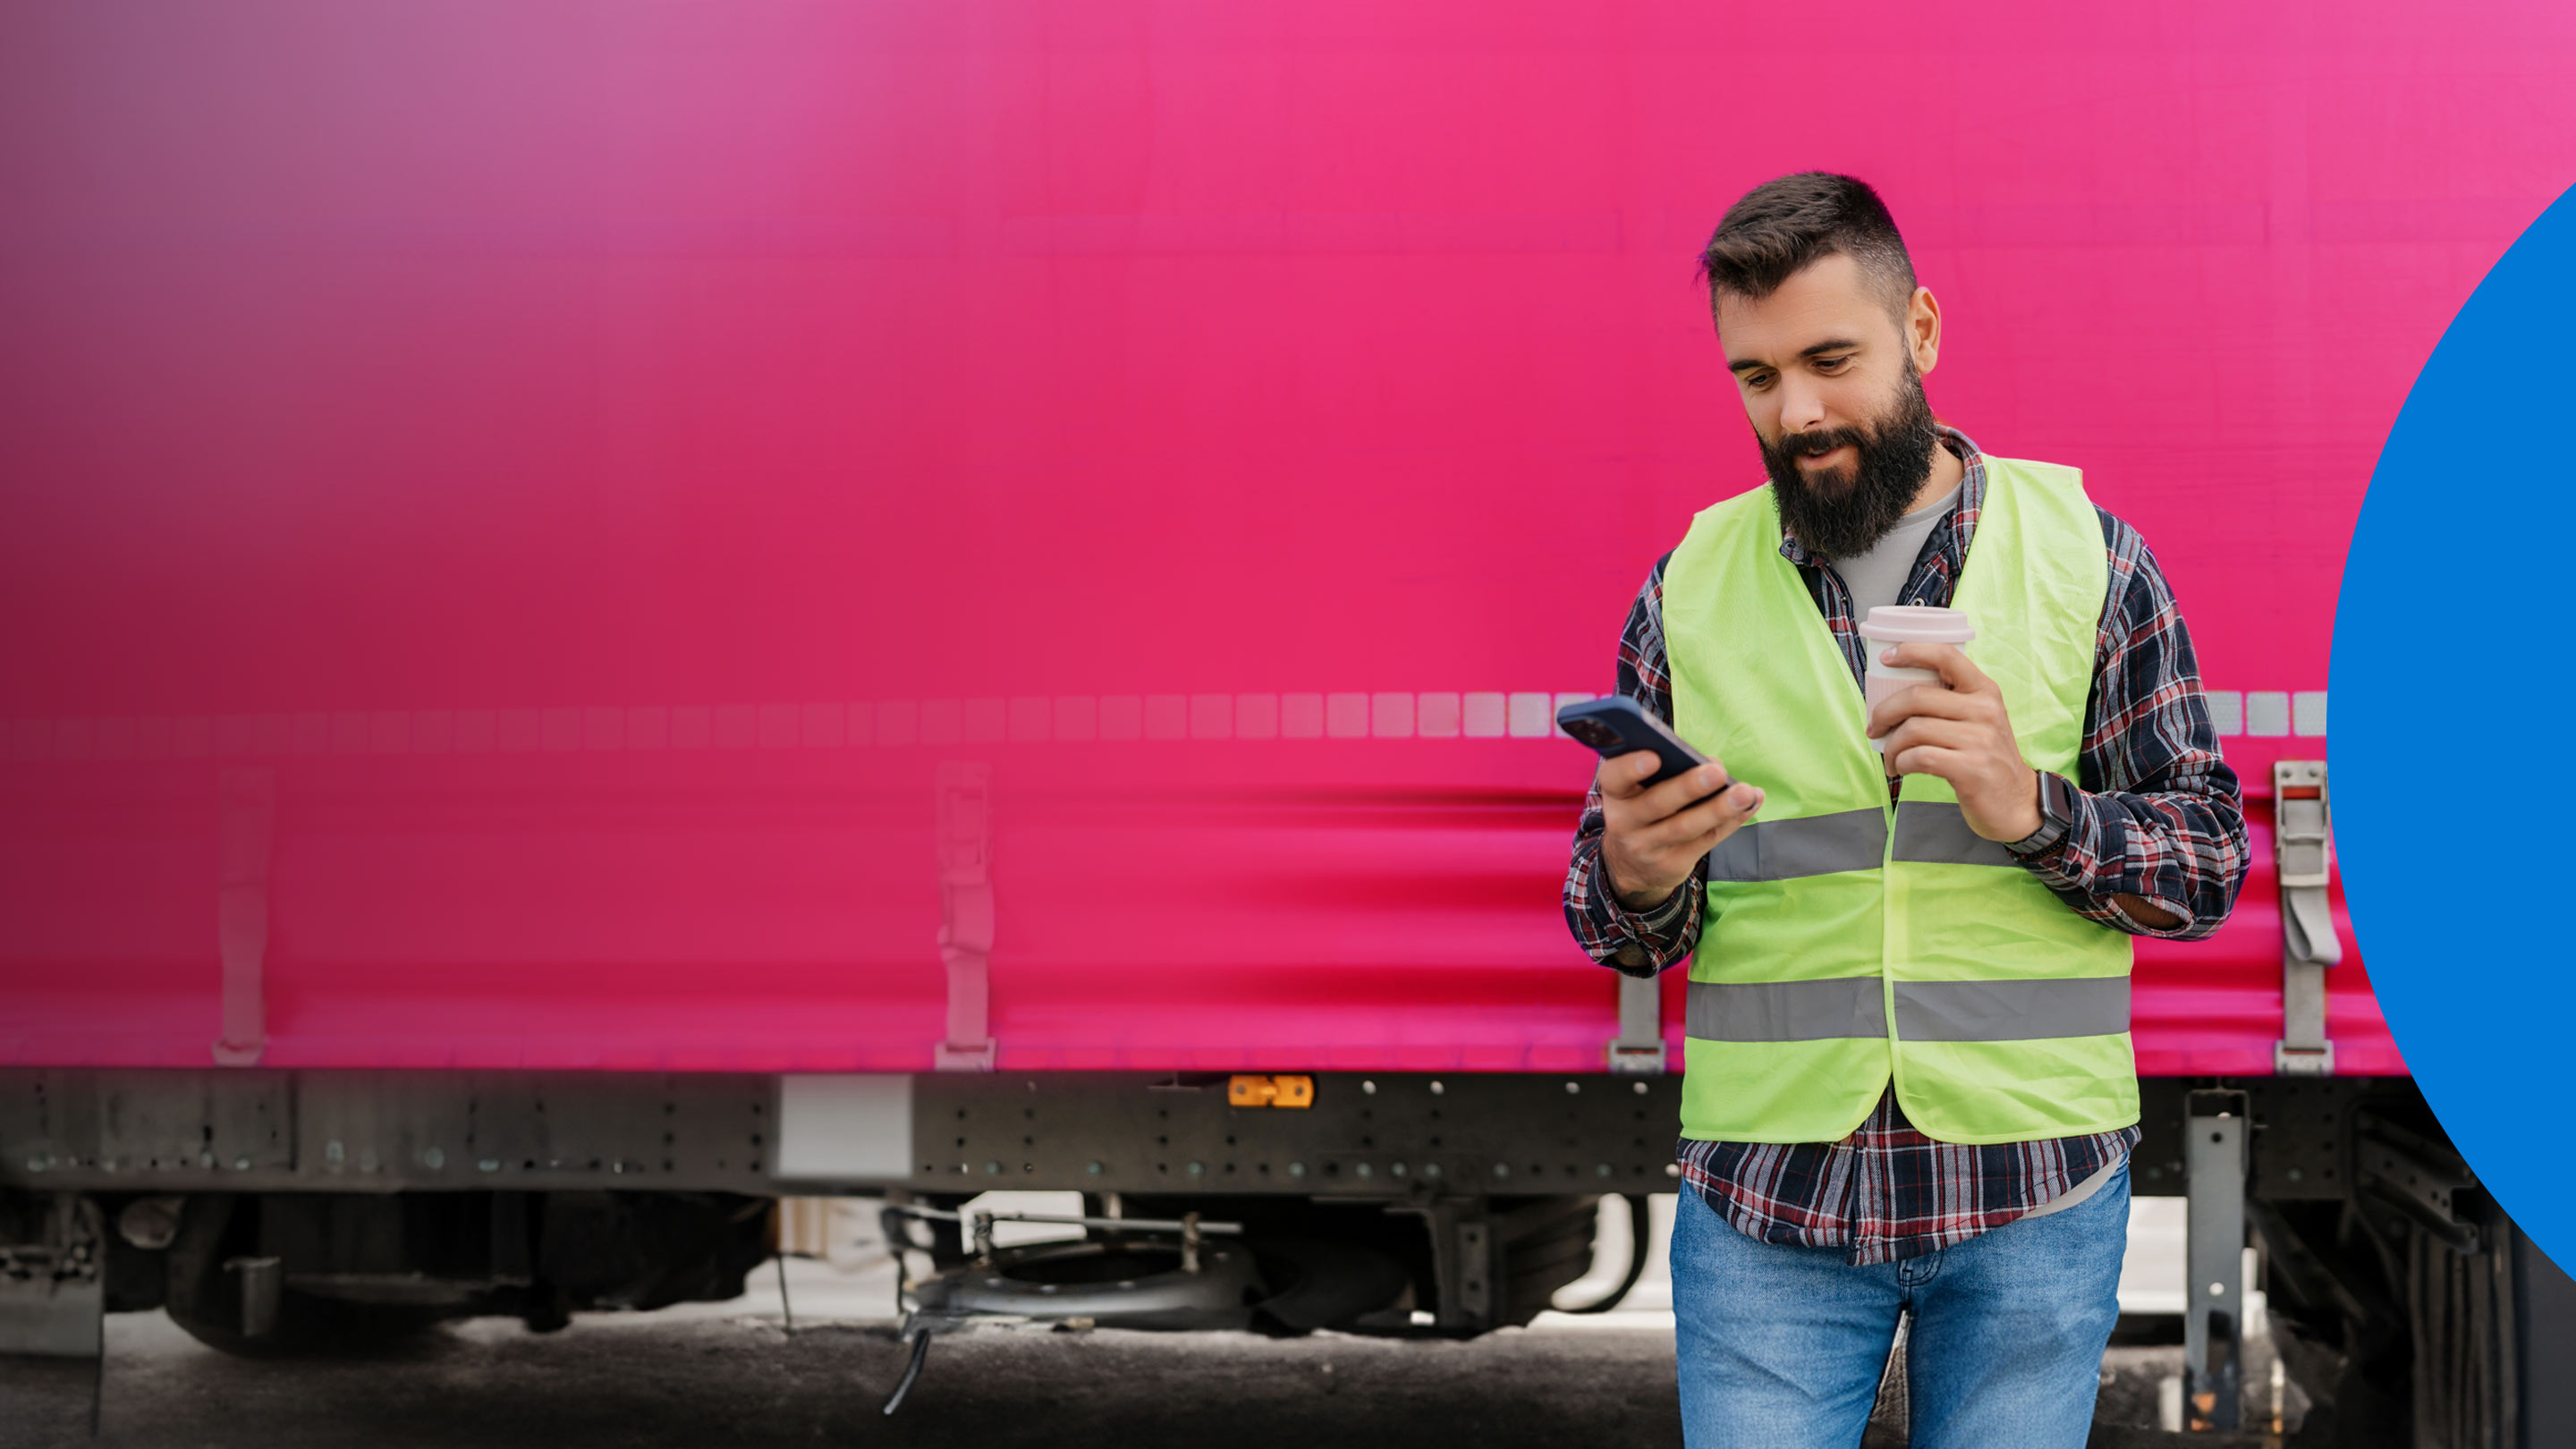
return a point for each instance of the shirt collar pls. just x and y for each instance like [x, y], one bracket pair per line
[1965, 504]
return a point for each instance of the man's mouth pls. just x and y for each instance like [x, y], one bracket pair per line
[1829, 455]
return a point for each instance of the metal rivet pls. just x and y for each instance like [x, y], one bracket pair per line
[489, 1164]
[433, 1159]
[1362, 1169]
[1369, 1087]
[1296, 1169]
[1437, 1089]
[1431, 1169]
[1397, 1170]
[1640, 1088]
[1093, 1169]
[1197, 1169]
[241, 1164]
[992, 1169]
[1571, 1088]
[1601, 1171]
[2217, 1290]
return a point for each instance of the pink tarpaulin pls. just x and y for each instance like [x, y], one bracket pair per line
[593, 464]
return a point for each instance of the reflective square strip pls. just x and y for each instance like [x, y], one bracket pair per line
[1937, 831]
[1837, 1006]
[852, 1127]
[2012, 1010]
[1851, 1006]
[1810, 845]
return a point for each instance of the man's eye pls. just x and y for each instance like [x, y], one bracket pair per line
[1832, 364]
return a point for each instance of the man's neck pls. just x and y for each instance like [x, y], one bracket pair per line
[1947, 471]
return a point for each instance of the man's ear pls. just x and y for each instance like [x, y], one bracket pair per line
[1923, 329]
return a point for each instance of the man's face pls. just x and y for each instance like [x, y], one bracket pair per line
[1830, 385]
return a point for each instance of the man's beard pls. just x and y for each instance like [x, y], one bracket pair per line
[1839, 515]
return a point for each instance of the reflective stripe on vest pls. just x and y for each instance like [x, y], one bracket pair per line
[1937, 832]
[1934, 831]
[1852, 1006]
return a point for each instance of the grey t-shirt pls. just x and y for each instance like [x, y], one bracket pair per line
[1878, 576]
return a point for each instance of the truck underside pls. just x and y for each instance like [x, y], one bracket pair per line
[276, 1213]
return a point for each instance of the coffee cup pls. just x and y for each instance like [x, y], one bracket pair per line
[1889, 625]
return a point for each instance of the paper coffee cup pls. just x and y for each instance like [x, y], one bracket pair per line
[1889, 625]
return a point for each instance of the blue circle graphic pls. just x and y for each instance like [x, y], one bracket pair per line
[2452, 729]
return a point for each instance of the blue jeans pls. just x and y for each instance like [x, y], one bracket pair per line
[1781, 1347]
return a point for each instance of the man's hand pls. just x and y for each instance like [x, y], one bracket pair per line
[1957, 731]
[1652, 839]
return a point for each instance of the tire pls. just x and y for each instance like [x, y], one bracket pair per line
[1545, 1244]
[1327, 1283]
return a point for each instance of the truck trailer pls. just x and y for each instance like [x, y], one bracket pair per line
[614, 618]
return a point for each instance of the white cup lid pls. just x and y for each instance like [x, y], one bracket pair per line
[1917, 624]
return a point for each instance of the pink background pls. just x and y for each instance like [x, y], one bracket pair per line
[551, 436]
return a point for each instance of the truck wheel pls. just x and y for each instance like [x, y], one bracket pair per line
[1545, 1244]
[1327, 1283]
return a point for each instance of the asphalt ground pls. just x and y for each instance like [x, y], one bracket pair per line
[745, 1381]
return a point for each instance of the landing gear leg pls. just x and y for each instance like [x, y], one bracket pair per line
[2214, 1307]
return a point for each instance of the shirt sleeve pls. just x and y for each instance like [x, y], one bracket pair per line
[1634, 943]
[2157, 813]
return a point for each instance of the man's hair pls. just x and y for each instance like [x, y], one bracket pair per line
[1781, 226]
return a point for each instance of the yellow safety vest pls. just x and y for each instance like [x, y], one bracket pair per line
[1849, 939]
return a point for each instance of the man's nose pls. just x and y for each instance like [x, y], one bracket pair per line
[1802, 408]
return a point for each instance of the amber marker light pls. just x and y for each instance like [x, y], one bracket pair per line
[1260, 1091]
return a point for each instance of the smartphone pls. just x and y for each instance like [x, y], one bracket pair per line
[1618, 725]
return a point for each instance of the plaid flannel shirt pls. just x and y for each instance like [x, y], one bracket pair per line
[2158, 815]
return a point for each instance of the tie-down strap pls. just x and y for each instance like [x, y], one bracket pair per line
[2303, 865]
[2299, 851]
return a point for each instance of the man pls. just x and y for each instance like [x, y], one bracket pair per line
[1910, 1090]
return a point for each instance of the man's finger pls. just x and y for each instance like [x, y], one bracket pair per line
[1939, 761]
[1718, 813]
[1683, 790]
[1647, 804]
[1922, 701]
[1949, 734]
[1948, 660]
[1623, 777]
